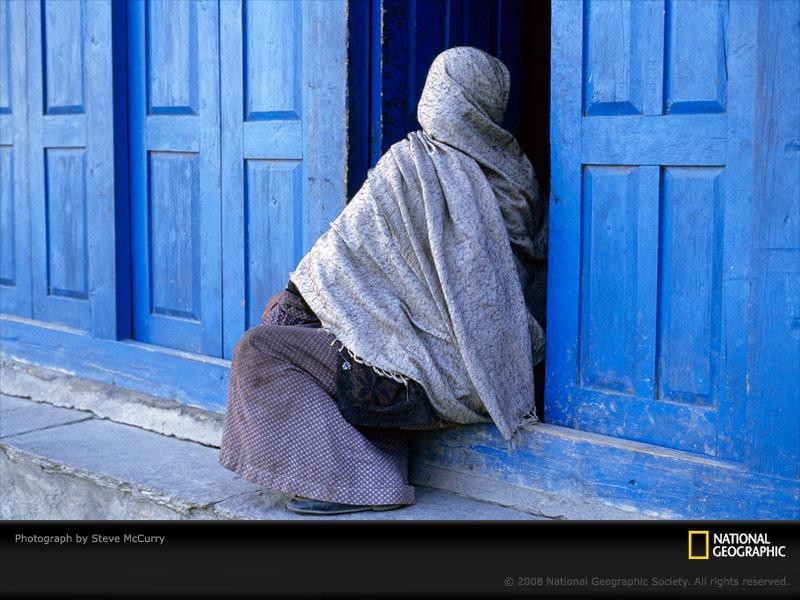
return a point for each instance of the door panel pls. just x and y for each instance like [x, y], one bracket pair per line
[620, 52]
[70, 164]
[650, 173]
[269, 145]
[283, 65]
[175, 174]
[689, 307]
[15, 262]
[619, 202]
[695, 80]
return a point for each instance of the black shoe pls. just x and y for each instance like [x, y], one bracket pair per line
[309, 506]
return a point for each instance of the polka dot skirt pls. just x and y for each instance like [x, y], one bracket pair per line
[283, 430]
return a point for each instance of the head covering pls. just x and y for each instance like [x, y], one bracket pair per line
[463, 104]
[423, 274]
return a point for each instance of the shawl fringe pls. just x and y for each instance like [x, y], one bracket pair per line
[527, 424]
[398, 377]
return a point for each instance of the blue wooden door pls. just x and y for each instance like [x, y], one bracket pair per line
[283, 111]
[237, 129]
[652, 140]
[175, 174]
[68, 140]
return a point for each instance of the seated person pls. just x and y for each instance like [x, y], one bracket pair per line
[414, 311]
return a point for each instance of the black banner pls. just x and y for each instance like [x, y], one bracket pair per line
[329, 558]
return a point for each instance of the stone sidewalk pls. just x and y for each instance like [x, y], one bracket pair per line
[64, 463]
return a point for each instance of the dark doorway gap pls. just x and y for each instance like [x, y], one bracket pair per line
[533, 87]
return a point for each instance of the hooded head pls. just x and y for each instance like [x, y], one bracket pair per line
[465, 86]
[463, 104]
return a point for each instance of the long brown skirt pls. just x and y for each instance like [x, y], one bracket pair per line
[284, 431]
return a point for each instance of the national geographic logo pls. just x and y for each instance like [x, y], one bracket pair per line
[702, 546]
[698, 545]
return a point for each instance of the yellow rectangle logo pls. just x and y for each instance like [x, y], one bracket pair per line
[697, 534]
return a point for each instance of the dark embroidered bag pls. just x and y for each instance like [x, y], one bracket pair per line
[367, 399]
[364, 397]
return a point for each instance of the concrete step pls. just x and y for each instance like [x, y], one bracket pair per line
[180, 421]
[162, 415]
[64, 463]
